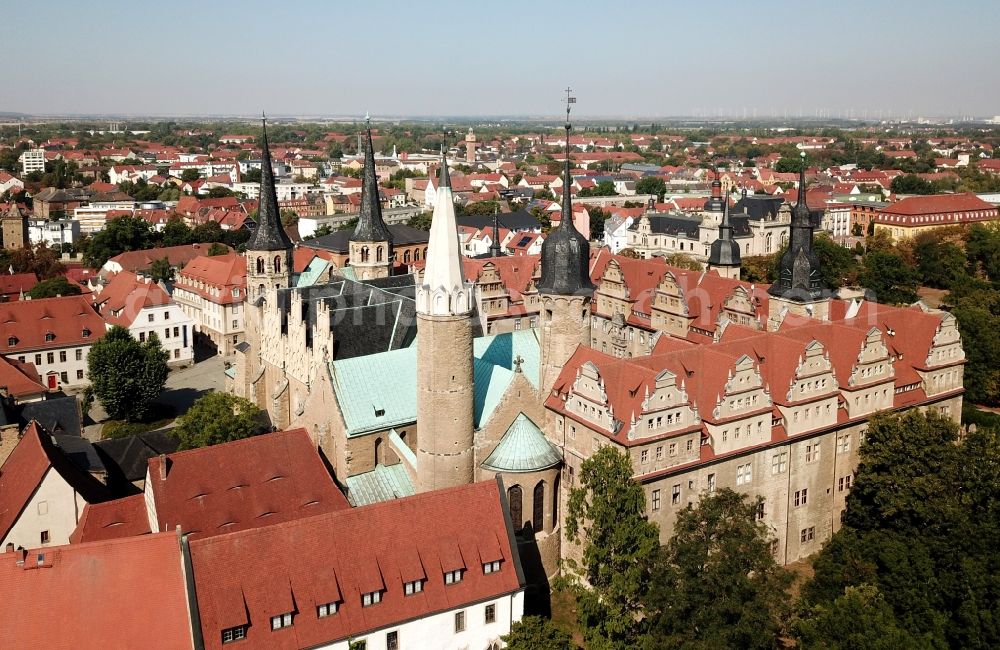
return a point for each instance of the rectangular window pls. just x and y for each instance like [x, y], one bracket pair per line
[62, 356]
[656, 500]
[659, 452]
[459, 622]
[237, 633]
[166, 332]
[774, 547]
[281, 620]
[491, 614]
[801, 497]
[807, 534]
[812, 452]
[711, 483]
[690, 444]
[45, 537]
[166, 315]
[79, 354]
[844, 443]
[392, 640]
[760, 510]
[79, 374]
[38, 359]
[644, 456]
[50, 358]
[64, 377]
[744, 474]
[675, 494]
[779, 463]
[844, 483]
[451, 577]
[142, 337]
[414, 587]
[371, 598]
[326, 609]
[491, 567]
[672, 448]
[151, 316]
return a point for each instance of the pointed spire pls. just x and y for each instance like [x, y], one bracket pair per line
[725, 252]
[565, 252]
[444, 180]
[371, 227]
[269, 234]
[495, 246]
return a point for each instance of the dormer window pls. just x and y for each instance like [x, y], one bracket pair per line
[237, 633]
[281, 620]
[12, 341]
[491, 567]
[49, 336]
[451, 577]
[86, 333]
[326, 609]
[371, 598]
[414, 587]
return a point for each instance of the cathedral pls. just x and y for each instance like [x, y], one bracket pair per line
[705, 381]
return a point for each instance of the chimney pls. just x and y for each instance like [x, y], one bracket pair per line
[9, 548]
[163, 467]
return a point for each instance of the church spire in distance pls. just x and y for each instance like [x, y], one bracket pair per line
[371, 227]
[566, 252]
[269, 234]
[798, 272]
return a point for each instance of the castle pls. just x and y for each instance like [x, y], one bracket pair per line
[703, 380]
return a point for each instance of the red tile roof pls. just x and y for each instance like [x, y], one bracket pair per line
[126, 593]
[126, 295]
[249, 576]
[176, 255]
[20, 380]
[112, 520]
[248, 483]
[66, 321]
[11, 285]
[936, 203]
[223, 272]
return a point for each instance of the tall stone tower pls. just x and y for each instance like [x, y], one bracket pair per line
[565, 288]
[269, 250]
[724, 256]
[370, 248]
[445, 390]
[15, 228]
[713, 206]
[799, 289]
[470, 146]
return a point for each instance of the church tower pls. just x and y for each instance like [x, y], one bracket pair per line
[565, 287]
[799, 289]
[269, 250]
[724, 257]
[370, 248]
[470, 146]
[445, 390]
[15, 228]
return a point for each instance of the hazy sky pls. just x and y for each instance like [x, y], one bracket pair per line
[656, 58]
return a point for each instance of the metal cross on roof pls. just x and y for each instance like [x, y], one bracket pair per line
[518, 360]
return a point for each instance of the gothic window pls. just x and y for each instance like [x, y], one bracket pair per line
[277, 264]
[260, 265]
[538, 506]
[769, 242]
[378, 253]
[260, 290]
[514, 499]
[406, 257]
[364, 253]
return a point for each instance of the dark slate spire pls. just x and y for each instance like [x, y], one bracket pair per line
[371, 226]
[495, 250]
[725, 251]
[444, 180]
[565, 252]
[798, 272]
[269, 234]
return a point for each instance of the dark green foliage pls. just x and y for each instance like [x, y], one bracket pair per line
[716, 584]
[911, 184]
[651, 185]
[838, 265]
[57, 286]
[216, 418]
[190, 175]
[536, 633]
[890, 277]
[788, 164]
[118, 236]
[176, 233]
[350, 224]
[161, 271]
[606, 514]
[597, 218]
[421, 222]
[604, 188]
[939, 263]
[976, 306]
[217, 249]
[922, 525]
[126, 375]
[982, 249]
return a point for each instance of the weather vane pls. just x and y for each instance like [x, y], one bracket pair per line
[569, 100]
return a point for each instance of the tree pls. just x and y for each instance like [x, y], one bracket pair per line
[176, 233]
[597, 218]
[41, 260]
[289, 217]
[682, 261]
[651, 185]
[216, 418]
[119, 235]
[208, 232]
[189, 175]
[536, 633]
[421, 221]
[858, 620]
[57, 286]
[604, 188]
[837, 264]
[217, 249]
[911, 184]
[976, 307]
[788, 165]
[939, 263]
[161, 270]
[890, 277]
[251, 176]
[126, 375]
[350, 224]
[607, 514]
[716, 584]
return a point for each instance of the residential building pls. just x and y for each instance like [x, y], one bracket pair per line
[142, 261]
[144, 308]
[53, 233]
[32, 160]
[916, 214]
[212, 292]
[54, 334]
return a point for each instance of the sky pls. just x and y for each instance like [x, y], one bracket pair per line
[659, 58]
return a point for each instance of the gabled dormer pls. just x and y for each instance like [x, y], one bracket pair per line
[813, 374]
[946, 346]
[743, 309]
[874, 363]
[665, 408]
[589, 401]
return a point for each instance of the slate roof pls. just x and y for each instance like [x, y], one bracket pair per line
[523, 448]
[127, 458]
[339, 240]
[371, 227]
[247, 577]
[386, 383]
[269, 234]
[125, 593]
[517, 220]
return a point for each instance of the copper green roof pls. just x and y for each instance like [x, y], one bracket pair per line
[312, 273]
[376, 392]
[523, 448]
[384, 483]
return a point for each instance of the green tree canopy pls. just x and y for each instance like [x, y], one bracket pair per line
[57, 286]
[789, 164]
[911, 184]
[126, 375]
[161, 270]
[890, 277]
[607, 514]
[189, 175]
[651, 185]
[176, 233]
[536, 633]
[216, 418]
[716, 584]
[119, 235]
[939, 263]
[603, 188]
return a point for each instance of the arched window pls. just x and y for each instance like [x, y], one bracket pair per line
[538, 506]
[514, 499]
[364, 253]
[378, 449]
[378, 253]
[416, 254]
[277, 264]
[769, 243]
[260, 265]
[406, 256]
[425, 253]
[260, 290]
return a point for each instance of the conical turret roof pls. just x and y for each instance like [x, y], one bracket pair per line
[269, 234]
[371, 227]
